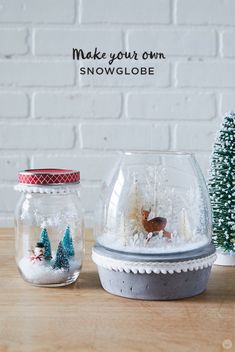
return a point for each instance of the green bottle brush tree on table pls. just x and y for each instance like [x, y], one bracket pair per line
[222, 191]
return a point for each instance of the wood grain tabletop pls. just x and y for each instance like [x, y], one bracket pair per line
[83, 317]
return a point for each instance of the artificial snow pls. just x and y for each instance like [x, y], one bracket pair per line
[42, 273]
[157, 244]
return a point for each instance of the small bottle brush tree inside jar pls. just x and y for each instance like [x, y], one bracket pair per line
[222, 191]
[45, 240]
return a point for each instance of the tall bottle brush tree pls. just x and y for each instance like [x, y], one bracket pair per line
[61, 259]
[44, 238]
[222, 186]
[68, 242]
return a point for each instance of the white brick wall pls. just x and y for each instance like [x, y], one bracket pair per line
[205, 12]
[180, 42]
[34, 11]
[124, 136]
[37, 136]
[171, 106]
[13, 41]
[14, 104]
[51, 116]
[77, 105]
[125, 11]
[228, 38]
[199, 137]
[33, 73]
[60, 41]
[206, 74]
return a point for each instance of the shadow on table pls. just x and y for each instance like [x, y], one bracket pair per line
[88, 280]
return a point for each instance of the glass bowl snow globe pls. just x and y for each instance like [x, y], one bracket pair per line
[154, 223]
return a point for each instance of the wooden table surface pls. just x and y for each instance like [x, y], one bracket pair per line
[83, 317]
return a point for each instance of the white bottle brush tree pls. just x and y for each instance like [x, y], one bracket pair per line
[134, 210]
[184, 228]
[222, 186]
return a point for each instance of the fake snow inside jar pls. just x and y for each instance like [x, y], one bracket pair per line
[49, 227]
[153, 228]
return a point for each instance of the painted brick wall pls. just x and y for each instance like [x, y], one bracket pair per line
[49, 116]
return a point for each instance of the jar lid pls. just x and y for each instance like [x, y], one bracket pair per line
[48, 177]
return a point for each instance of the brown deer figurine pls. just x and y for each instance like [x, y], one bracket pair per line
[154, 225]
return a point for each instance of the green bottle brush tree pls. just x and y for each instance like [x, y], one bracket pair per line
[222, 189]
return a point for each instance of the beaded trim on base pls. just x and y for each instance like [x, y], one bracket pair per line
[152, 267]
[47, 189]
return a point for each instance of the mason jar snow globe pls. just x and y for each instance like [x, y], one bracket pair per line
[49, 227]
[153, 228]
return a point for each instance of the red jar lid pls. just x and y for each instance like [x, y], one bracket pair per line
[48, 176]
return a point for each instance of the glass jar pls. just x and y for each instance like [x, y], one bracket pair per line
[49, 227]
[155, 203]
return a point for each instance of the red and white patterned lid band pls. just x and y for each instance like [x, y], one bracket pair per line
[48, 176]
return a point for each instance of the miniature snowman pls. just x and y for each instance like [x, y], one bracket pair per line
[38, 253]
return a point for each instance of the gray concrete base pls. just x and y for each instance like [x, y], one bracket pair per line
[156, 286]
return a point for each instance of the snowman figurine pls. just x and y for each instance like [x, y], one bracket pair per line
[38, 253]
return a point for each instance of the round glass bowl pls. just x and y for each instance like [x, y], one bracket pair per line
[156, 203]
[49, 227]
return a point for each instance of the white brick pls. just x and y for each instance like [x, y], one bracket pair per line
[161, 78]
[206, 12]
[8, 197]
[228, 43]
[62, 41]
[13, 105]
[31, 73]
[10, 165]
[228, 103]
[43, 11]
[125, 136]
[171, 106]
[89, 196]
[205, 74]
[173, 42]
[36, 136]
[125, 11]
[195, 136]
[13, 41]
[91, 167]
[78, 105]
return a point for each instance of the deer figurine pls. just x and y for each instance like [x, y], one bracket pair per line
[154, 225]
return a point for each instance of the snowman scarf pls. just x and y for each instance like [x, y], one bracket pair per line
[35, 257]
